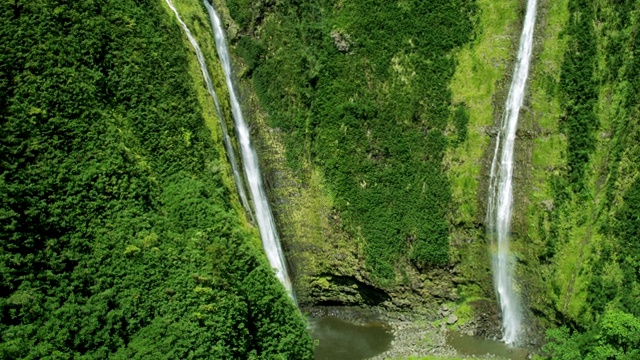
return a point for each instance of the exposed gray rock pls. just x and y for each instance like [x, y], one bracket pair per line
[342, 41]
[452, 319]
[547, 205]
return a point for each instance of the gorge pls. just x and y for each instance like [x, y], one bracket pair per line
[439, 174]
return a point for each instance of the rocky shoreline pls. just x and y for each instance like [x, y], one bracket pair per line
[414, 335]
[416, 338]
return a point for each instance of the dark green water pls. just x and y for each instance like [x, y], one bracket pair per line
[341, 340]
[470, 345]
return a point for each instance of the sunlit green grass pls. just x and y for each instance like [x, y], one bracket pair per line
[481, 66]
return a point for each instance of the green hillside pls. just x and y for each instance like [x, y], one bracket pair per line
[119, 237]
[587, 237]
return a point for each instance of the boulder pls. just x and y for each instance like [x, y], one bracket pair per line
[342, 41]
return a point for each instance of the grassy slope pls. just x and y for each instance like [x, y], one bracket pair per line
[481, 71]
[546, 147]
[549, 158]
[578, 219]
[481, 75]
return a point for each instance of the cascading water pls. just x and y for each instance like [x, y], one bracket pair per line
[266, 223]
[501, 186]
[227, 141]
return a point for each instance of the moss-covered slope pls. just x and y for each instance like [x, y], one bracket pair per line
[583, 214]
[374, 172]
[366, 141]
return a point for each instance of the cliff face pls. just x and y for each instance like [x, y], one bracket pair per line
[580, 212]
[326, 252]
[354, 145]
[576, 236]
[353, 152]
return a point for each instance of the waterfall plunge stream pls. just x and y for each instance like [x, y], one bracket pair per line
[225, 133]
[266, 223]
[501, 186]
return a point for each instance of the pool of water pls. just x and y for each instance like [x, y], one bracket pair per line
[342, 340]
[471, 345]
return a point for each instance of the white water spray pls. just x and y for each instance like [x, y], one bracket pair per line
[266, 223]
[501, 186]
[227, 141]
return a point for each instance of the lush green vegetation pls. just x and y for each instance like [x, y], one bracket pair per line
[118, 236]
[579, 89]
[587, 237]
[617, 336]
[330, 85]
[361, 92]
[482, 68]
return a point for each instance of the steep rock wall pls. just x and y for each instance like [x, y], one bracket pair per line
[327, 255]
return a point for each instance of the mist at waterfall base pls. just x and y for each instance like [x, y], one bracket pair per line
[501, 187]
[264, 217]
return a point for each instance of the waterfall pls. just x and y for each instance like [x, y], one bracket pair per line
[266, 223]
[227, 141]
[501, 187]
